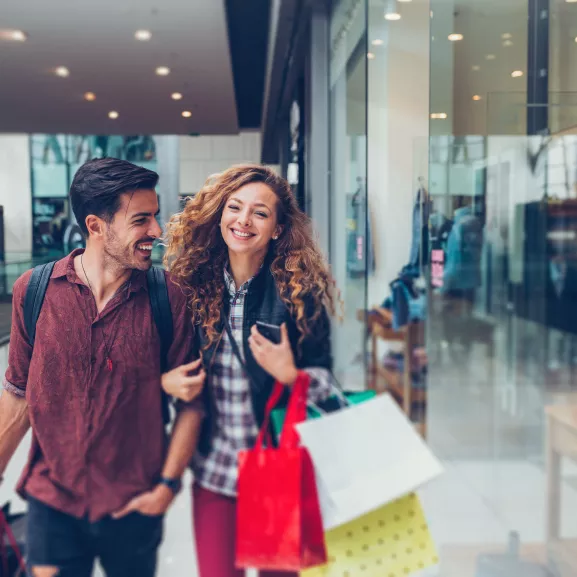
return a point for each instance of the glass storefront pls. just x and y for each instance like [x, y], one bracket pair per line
[454, 125]
[350, 240]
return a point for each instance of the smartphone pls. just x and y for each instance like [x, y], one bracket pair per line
[270, 332]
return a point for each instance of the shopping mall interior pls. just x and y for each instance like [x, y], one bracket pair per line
[434, 145]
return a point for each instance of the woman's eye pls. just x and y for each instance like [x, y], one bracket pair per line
[262, 214]
[233, 207]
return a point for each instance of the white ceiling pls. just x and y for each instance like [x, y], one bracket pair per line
[95, 40]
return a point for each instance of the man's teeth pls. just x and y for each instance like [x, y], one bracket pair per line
[145, 246]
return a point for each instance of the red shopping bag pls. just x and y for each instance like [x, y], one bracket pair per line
[279, 524]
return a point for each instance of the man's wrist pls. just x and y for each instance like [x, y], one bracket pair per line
[174, 485]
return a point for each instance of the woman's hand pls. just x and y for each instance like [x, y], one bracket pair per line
[184, 382]
[277, 360]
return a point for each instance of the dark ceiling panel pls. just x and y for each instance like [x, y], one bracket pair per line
[248, 27]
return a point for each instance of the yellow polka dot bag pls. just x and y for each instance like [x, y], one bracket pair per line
[392, 541]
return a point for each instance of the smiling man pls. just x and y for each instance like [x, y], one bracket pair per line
[101, 473]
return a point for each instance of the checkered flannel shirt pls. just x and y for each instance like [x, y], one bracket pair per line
[236, 427]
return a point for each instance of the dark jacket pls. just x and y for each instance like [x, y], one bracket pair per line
[263, 303]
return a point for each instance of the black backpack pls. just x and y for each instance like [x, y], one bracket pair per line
[159, 302]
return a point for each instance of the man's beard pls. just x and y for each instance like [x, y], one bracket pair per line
[122, 257]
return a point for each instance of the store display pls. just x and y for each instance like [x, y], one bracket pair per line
[360, 253]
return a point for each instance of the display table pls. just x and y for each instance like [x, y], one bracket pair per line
[561, 442]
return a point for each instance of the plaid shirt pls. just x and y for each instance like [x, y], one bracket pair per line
[237, 428]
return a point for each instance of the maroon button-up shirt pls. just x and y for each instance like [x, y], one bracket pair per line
[97, 434]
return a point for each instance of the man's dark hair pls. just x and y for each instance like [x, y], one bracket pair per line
[99, 184]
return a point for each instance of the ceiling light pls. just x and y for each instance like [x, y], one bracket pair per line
[575, 38]
[490, 57]
[143, 35]
[405, 0]
[163, 71]
[507, 43]
[439, 115]
[455, 37]
[391, 11]
[370, 55]
[62, 71]
[517, 73]
[476, 97]
[506, 36]
[90, 96]
[377, 42]
[13, 35]
[176, 96]
[475, 68]
[113, 114]
[186, 113]
[570, 1]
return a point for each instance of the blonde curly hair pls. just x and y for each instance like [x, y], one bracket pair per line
[197, 254]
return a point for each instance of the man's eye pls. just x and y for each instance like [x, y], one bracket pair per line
[140, 221]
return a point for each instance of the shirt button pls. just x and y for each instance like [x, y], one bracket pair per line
[92, 361]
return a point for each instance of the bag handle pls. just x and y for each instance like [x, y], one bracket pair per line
[296, 412]
[6, 530]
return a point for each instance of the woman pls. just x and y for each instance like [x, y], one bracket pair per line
[243, 252]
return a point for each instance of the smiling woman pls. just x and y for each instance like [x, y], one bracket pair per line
[244, 255]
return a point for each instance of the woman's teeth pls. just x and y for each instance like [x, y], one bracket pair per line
[241, 234]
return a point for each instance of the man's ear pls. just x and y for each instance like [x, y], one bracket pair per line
[95, 225]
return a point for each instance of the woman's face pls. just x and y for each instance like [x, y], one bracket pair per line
[249, 219]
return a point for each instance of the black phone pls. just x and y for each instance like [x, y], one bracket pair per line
[270, 332]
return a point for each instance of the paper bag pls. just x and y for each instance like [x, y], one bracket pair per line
[365, 456]
[393, 541]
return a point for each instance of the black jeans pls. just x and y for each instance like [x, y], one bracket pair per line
[125, 547]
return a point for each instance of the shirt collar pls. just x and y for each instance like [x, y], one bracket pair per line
[65, 268]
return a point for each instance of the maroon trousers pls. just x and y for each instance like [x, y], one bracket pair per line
[214, 519]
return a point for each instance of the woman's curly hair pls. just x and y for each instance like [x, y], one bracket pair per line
[197, 254]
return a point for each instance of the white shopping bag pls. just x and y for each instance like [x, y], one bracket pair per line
[365, 456]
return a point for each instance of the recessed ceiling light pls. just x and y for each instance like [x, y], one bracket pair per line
[186, 113]
[62, 71]
[455, 37]
[392, 16]
[490, 57]
[575, 38]
[377, 42]
[176, 96]
[143, 35]
[477, 97]
[113, 114]
[163, 71]
[90, 96]
[507, 43]
[370, 55]
[570, 1]
[13, 35]
[506, 36]
[475, 68]
[405, 0]
[517, 73]
[439, 115]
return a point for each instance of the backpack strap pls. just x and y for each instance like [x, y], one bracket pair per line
[161, 311]
[35, 293]
[162, 314]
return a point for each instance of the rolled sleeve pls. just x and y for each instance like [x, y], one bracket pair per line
[20, 351]
[183, 349]
[322, 384]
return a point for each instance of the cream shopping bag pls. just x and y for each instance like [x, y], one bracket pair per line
[393, 541]
[365, 456]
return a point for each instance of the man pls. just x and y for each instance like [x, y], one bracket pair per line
[101, 474]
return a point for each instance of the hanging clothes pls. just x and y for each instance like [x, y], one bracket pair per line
[419, 254]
